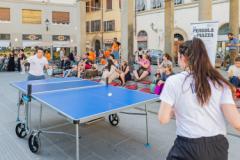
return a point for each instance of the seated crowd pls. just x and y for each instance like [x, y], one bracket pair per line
[112, 70]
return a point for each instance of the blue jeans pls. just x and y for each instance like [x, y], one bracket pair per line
[116, 54]
[32, 77]
[235, 81]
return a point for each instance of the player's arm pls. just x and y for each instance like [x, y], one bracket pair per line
[165, 113]
[232, 115]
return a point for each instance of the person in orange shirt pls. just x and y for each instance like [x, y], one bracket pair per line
[48, 55]
[115, 48]
[107, 53]
[103, 61]
[92, 55]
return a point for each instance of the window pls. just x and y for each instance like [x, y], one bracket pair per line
[142, 39]
[87, 26]
[178, 2]
[95, 5]
[140, 5]
[156, 4]
[4, 14]
[109, 4]
[60, 17]
[5, 36]
[88, 7]
[30, 16]
[109, 26]
[95, 26]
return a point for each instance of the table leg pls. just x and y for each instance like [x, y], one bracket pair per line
[40, 117]
[18, 105]
[77, 141]
[146, 125]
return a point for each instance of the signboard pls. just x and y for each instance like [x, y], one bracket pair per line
[31, 37]
[208, 32]
[60, 38]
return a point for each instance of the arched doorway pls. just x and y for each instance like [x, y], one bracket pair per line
[142, 40]
[97, 46]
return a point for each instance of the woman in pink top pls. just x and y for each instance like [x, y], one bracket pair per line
[144, 69]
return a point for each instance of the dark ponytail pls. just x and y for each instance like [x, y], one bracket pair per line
[201, 69]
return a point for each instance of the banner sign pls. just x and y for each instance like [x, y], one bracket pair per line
[208, 32]
[61, 38]
[32, 37]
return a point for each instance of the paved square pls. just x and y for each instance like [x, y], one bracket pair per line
[100, 141]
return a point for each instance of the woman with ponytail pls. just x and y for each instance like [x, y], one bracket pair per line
[201, 100]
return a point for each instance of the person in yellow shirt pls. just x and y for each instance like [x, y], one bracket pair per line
[115, 48]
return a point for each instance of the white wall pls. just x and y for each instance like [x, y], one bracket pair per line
[184, 15]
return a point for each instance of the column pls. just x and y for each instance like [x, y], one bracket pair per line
[205, 10]
[127, 29]
[169, 26]
[234, 17]
[81, 28]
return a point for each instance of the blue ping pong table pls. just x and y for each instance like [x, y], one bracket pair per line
[78, 100]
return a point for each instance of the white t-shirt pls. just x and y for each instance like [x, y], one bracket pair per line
[234, 70]
[37, 65]
[192, 119]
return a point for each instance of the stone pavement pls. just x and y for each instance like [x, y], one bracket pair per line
[100, 141]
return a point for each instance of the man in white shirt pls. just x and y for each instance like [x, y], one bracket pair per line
[37, 64]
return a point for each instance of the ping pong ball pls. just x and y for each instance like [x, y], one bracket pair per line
[109, 94]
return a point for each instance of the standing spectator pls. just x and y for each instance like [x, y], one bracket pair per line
[233, 47]
[47, 55]
[116, 48]
[11, 62]
[202, 101]
[234, 73]
[21, 58]
[62, 54]
[71, 57]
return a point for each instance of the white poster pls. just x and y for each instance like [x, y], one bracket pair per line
[208, 32]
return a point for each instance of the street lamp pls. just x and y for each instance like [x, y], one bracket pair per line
[47, 24]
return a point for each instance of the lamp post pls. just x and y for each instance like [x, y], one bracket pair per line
[47, 24]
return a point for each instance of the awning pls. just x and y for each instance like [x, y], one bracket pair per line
[64, 44]
[4, 43]
[30, 43]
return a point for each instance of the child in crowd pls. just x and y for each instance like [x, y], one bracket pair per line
[161, 78]
[167, 60]
[234, 73]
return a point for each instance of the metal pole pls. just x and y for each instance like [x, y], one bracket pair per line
[102, 25]
[77, 141]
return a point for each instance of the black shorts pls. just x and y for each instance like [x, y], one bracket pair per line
[206, 148]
